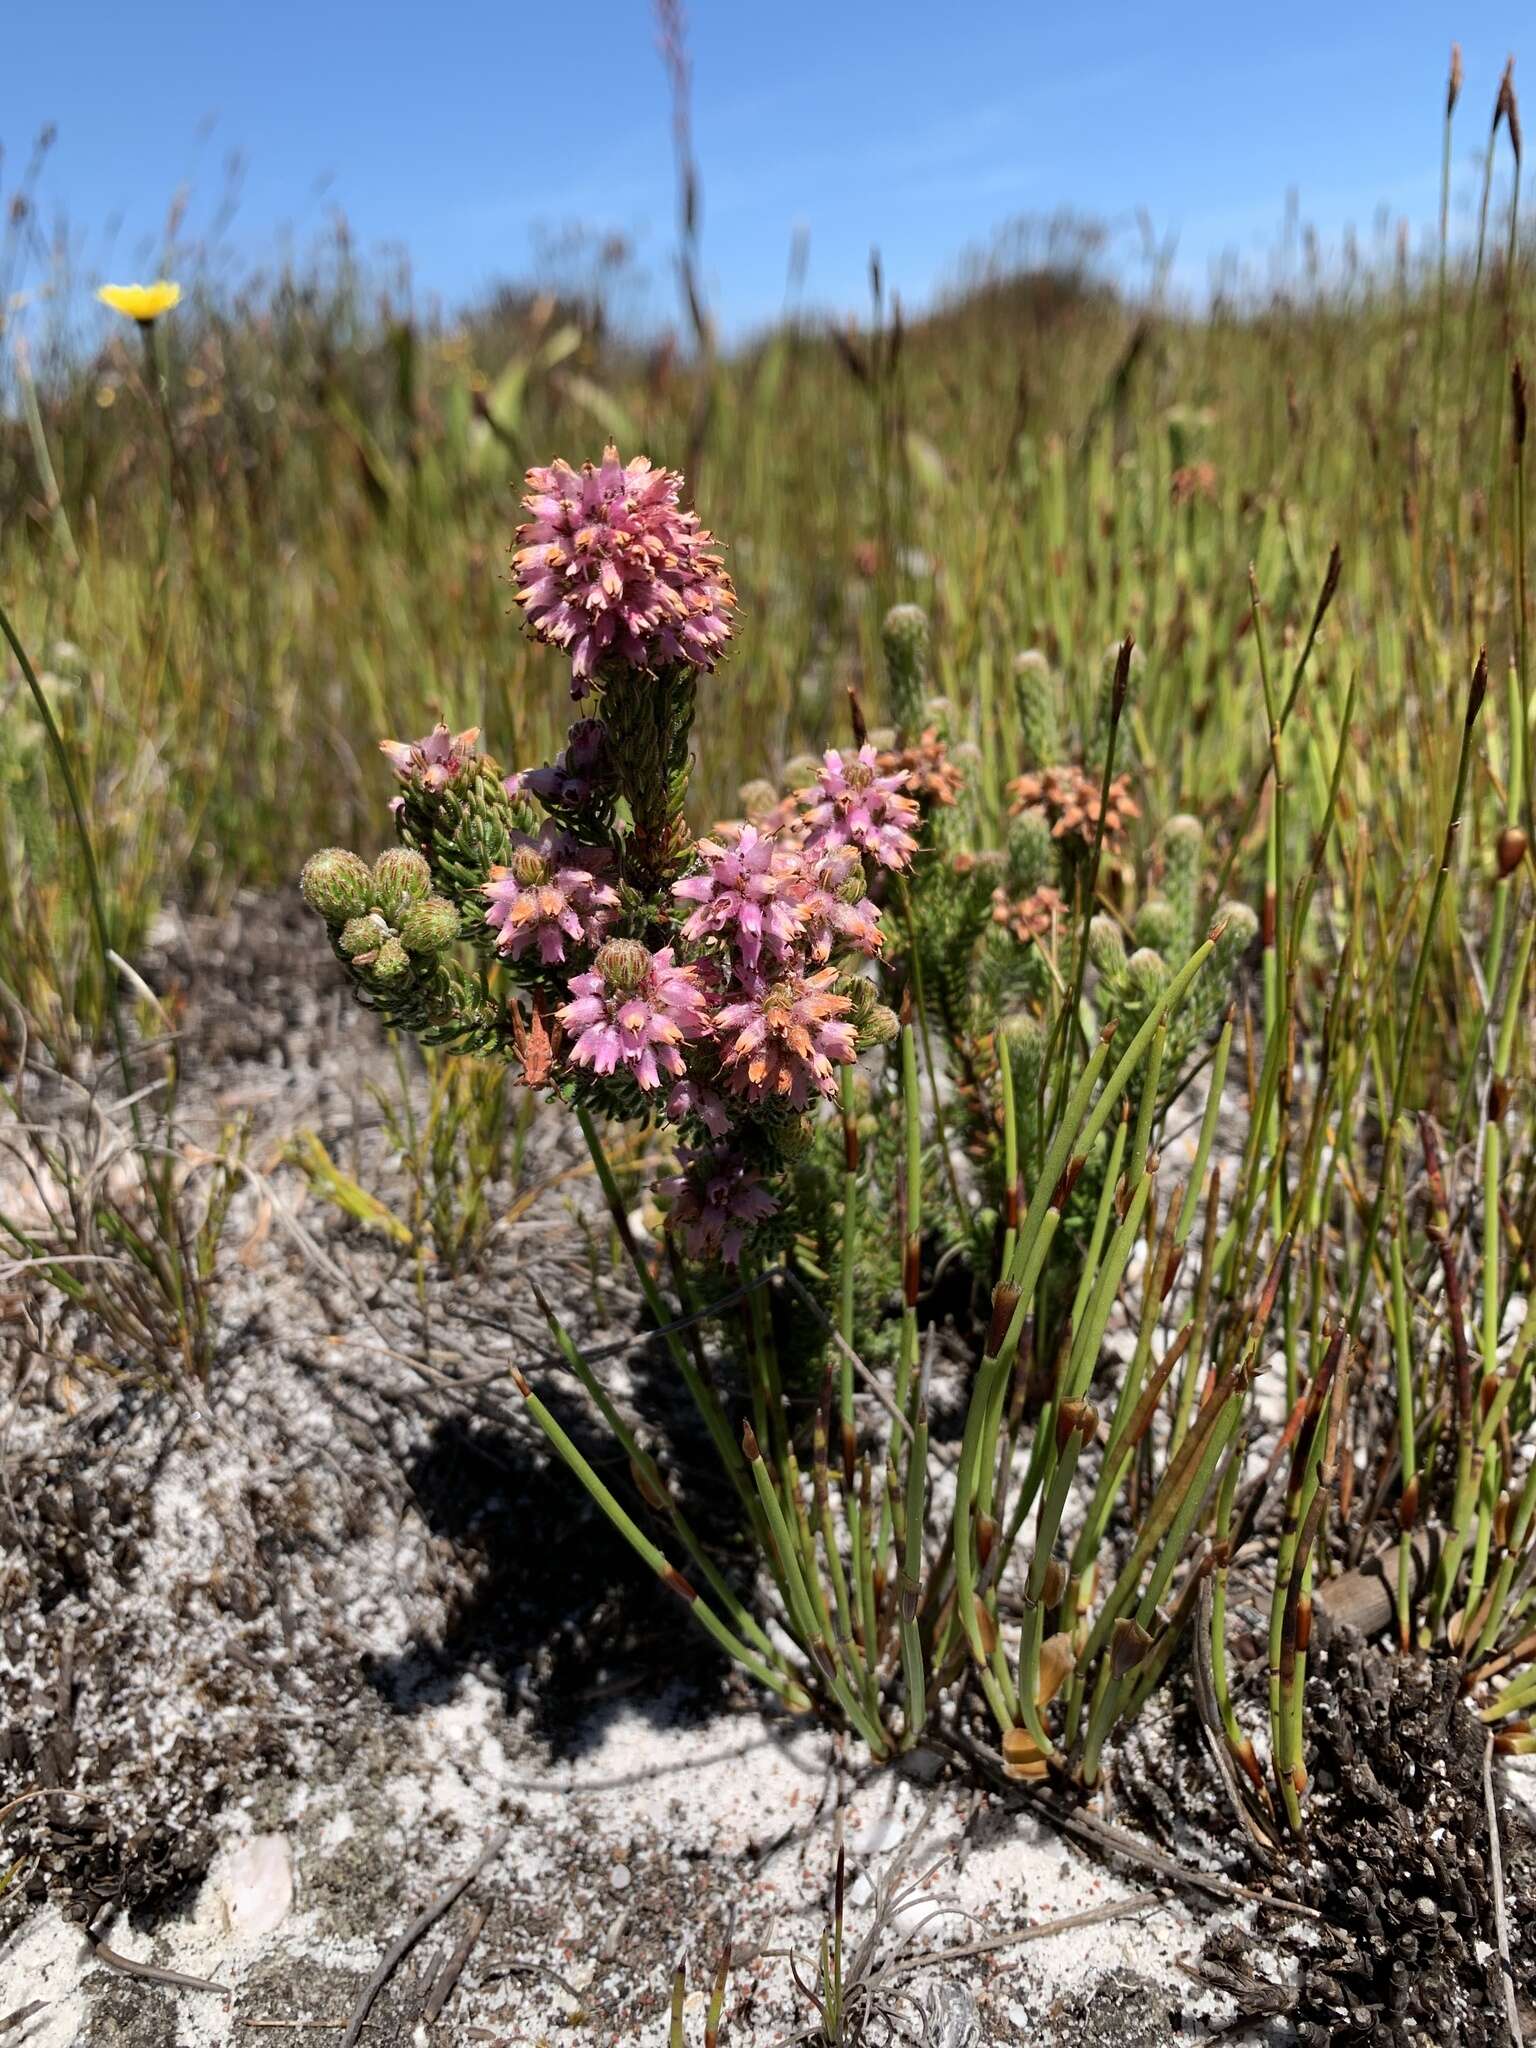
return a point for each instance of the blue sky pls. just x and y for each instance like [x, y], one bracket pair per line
[458, 133]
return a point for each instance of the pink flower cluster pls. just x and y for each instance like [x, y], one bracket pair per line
[575, 775]
[434, 762]
[550, 892]
[852, 804]
[717, 1201]
[758, 1021]
[609, 565]
[634, 1011]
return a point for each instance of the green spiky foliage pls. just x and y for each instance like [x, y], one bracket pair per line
[989, 931]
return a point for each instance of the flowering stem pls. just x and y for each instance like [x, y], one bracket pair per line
[704, 1397]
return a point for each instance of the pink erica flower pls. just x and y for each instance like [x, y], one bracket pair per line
[783, 1038]
[434, 761]
[717, 1200]
[549, 893]
[578, 769]
[692, 1098]
[608, 565]
[633, 1012]
[749, 890]
[838, 915]
[853, 804]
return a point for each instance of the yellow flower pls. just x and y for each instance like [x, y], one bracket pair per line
[142, 302]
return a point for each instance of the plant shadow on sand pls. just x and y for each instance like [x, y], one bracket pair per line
[559, 1611]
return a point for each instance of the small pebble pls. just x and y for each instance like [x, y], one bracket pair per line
[618, 1877]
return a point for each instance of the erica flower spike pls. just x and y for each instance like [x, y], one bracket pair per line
[608, 566]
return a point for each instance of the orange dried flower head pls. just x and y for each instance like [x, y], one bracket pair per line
[1069, 797]
[932, 776]
[1029, 918]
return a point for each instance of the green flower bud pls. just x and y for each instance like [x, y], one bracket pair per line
[400, 876]
[529, 866]
[878, 1026]
[361, 937]
[758, 800]
[796, 1138]
[392, 962]
[1183, 853]
[1106, 947]
[1035, 695]
[905, 638]
[1146, 975]
[335, 884]
[1238, 934]
[1156, 925]
[1031, 852]
[1022, 1037]
[428, 927]
[623, 963]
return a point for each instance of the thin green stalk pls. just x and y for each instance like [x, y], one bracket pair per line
[1367, 1252]
[792, 1694]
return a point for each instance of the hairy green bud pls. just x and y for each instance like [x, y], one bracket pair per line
[392, 962]
[361, 937]
[622, 963]
[1183, 852]
[1023, 1037]
[428, 927]
[879, 1026]
[1146, 976]
[400, 876]
[795, 1138]
[905, 638]
[1035, 695]
[1240, 927]
[335, 884]
[1031, 852]
[758, 800]
[1106, 947]
[1156, 925]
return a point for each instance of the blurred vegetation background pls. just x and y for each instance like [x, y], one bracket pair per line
[243, 553]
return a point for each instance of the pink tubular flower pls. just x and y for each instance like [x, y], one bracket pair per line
[836, 910]
[690, 1098]
[852, 804]
[634, 1011]
[717, 1200]
[608, 564]
[573, 778]
[548, 894]
[436, 760]
[785, 1038]
[751, 890]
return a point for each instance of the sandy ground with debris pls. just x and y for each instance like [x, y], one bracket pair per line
[281, 1660]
